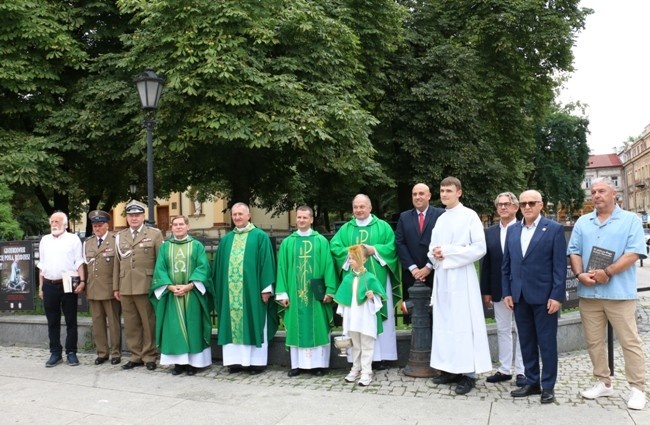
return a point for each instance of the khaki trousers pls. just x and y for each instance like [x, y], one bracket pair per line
[139, 327]
[106, 313]
[622, 315]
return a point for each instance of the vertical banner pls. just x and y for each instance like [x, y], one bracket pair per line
[17, 275]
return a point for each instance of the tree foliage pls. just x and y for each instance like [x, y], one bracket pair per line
[561, 155]
[468, 89]
[280, 102]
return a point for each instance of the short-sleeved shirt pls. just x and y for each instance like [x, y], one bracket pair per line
[622, 233]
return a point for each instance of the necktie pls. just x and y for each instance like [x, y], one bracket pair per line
[135, 234]
[421, 222]
[99, 242]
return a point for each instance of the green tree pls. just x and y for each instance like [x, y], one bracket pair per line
[561, 155]
[9, 226]
[468, 89]
[259, 95]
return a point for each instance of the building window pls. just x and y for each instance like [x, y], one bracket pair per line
[587, 182]
[614, 180]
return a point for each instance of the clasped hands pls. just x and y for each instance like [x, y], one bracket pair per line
[421, 274]
[180, 290]
[593, 277]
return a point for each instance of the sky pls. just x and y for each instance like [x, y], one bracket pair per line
[612, 72]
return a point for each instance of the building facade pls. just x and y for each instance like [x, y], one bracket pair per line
[636, 171]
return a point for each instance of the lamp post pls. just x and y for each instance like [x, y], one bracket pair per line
[149, 88]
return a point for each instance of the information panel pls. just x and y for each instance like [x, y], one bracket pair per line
[17, 275]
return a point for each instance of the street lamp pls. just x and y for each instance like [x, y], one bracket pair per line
[149, 87]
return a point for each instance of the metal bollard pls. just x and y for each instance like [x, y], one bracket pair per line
[420, 353]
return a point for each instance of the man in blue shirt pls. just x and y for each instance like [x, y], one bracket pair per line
[607, 290]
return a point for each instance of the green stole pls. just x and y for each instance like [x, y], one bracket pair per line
[236, 284]
[305, 268]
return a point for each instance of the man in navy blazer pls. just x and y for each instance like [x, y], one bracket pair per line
[506, 205]
[413, 241]
[534, 286]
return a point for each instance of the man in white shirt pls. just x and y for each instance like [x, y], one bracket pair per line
[60, 252]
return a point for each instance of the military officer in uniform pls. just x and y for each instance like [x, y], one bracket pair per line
[137, 248]
[99, 256]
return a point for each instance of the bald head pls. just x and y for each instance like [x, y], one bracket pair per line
[361, 206]
[421, 195]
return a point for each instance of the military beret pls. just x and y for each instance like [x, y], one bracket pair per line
[99, 216]
[135, 207]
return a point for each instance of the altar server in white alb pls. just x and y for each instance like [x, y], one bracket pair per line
[459, 341]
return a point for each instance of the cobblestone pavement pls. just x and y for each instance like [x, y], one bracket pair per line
[574, 375]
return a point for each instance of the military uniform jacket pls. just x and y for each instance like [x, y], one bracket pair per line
[135, 260]
[99, 264]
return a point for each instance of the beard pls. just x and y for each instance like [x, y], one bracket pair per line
[56, 231]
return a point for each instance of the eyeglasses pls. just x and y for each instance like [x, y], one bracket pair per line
[504, 204]
[528, 204]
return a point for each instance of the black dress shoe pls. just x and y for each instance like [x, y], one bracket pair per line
[235, 369]
[116, 360]
[526, 390]
[319, 371]
[380, 365]
[520, 380]
[191, 370]
[100, 360]
[151, 365]
[446, 378]
[548, 396]
[293, 372]
[465, 385]
[498, 377]
[256, 370]
[178, 369]
[131, 365]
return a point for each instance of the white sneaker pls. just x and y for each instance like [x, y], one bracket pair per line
[599, 390]
[352, 376]
[636, 400]
[365, 380]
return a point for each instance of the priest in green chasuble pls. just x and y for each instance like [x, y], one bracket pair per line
[305, 287]
[243, 277]
[181, 296]
[379, 239]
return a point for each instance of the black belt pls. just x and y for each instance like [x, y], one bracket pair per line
[53, 282]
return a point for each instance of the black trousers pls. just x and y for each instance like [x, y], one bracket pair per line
[56, 301]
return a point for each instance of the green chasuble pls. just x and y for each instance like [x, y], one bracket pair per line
[243, 266]
[301, 258]
[367, 282]
[182, 323]
[380, 235]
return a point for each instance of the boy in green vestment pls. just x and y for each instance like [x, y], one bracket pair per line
[181, 296]
[360, 299]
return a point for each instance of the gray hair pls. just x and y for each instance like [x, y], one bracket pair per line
[62, 215]
[510, 195]
[604, 180]
[241, 205]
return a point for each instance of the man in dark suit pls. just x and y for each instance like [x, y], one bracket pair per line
[534, 286]
[506, 204]
[412, 238]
